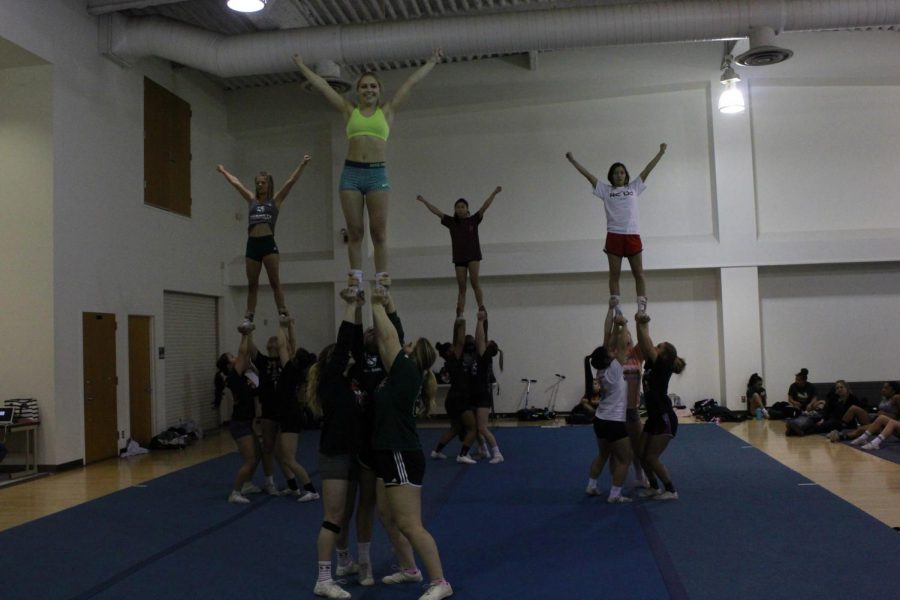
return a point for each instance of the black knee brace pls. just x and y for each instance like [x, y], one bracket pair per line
[331, 527]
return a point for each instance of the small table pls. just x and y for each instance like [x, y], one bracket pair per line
[30, 431]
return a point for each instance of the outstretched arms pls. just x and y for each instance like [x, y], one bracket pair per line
[619, 339]
[434, 209]
[459, 337]
[480, 334]
[489, 201]
[385, 334]
[648, 350]
[587, 174]
[242, 361]
[235, 183]
[415, 78]
[284, 352]
[335, 99]
[646, 172]
[286, 188]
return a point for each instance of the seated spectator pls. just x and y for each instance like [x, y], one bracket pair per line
[756, 396]
[837, 404]
[888, 410]
[871, 439]
[802, 394]
[888, 407]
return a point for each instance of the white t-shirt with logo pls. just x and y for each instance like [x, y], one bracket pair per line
[615, 390]
[621, 205]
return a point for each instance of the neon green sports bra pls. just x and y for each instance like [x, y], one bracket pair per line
[376, 125]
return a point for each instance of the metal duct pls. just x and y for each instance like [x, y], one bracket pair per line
[124, 39]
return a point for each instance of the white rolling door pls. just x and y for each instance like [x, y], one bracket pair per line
[191, 345]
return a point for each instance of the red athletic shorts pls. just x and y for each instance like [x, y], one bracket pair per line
[623, 244]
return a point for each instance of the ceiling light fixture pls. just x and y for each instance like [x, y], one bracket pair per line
[247, 6]
[732, 100]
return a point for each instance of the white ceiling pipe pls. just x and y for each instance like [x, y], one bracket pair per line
[271, 51]
[100, 7]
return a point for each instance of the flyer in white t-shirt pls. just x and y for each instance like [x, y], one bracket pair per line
[621, 205]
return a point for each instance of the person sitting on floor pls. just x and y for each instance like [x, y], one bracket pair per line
[889, 407]
[756, 396]
[837, 404]
[871, 439]
[583, 412]
[802, 394]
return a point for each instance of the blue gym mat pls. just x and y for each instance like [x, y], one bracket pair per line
[745, 526]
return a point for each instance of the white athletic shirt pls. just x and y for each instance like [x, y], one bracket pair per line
[615, 390]
[621, 205]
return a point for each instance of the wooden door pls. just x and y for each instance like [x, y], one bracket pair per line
[100, 382]
[140, 381]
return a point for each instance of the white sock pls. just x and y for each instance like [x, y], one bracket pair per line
[876, 443]
[324, 571]
[592, 483]
[615, 491]
[357, 275]
[495, 450]
[363, 549]
[343, 556]
[378, 276]
[270, 479]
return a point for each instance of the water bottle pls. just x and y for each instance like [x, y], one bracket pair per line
[759, 414]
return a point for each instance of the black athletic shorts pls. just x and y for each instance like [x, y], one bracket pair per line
[400, 467]
[609, 431]
[259, 247]
[664, 424]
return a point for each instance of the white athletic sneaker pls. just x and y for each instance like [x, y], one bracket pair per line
[618, 499]
[348, 569]
[498, 458]
[330, 589]
[466, 460]
[250, 488]
[237, 498]
[270, 489]
[436, 591]
[592, 491]
[365, 575]
[438, 455]
[402, 576]
[307, 496]
[860, 441]
[648, 492]
[874, 444]
[666, 496]
[642, 304]
[246, 326]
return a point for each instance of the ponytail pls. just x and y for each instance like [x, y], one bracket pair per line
[429, 393]
[588, 378]
[312, 389]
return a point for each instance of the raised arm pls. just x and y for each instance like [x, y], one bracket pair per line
[286, 188]
[236, 183]
[315, 80]
[403, 93]
[607, 327]
[385, 334]
[284, 353]
[242, 361]
[480, 335]
[618, 347]
[587, 174]
[489, 201]
[434, 209]
[646, 172]
[642, 323]
[459, 337]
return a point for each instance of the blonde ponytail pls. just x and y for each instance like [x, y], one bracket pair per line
[429, 392]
